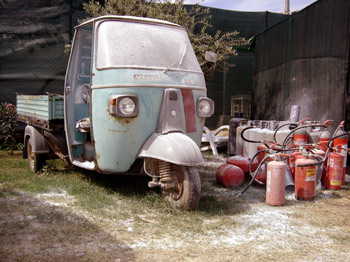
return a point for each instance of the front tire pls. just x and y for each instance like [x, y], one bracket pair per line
[187, 190]
[36, 161]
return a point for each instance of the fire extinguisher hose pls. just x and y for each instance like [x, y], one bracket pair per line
[251, 161]
[253, 176]
[297, 128]
[245, 139]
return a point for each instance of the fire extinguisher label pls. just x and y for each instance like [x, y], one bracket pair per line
[336, 182]
[344, 152]
[336, 171]
[310, 174]
[268, 180]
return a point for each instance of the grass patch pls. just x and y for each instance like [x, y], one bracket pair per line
[68, 214]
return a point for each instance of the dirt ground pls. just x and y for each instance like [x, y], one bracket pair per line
[49, 227]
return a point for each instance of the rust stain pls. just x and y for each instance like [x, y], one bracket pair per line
[122, 120]
[98, 156]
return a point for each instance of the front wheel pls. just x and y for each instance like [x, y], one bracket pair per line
[186, 189]
[35, 160]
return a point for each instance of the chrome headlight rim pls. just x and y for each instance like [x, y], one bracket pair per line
[123, 105]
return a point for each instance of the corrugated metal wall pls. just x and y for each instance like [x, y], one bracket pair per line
[303, 61]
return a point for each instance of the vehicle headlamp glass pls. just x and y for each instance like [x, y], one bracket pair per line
[205, 107]
[126, 106]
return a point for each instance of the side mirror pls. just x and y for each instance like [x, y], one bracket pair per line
[211, 56]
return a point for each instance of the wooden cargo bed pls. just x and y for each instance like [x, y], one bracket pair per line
[44, 111]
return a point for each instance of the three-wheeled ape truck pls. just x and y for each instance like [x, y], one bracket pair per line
[134, 100]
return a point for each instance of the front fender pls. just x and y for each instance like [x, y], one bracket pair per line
[39, 143]
[175, 148]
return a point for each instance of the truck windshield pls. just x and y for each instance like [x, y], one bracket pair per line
[123, 44]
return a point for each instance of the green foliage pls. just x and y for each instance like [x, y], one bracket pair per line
[195, 20]
[8, 124]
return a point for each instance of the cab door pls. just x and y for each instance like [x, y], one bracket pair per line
[77, 98]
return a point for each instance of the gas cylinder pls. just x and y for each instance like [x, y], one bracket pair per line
[239, 140]
[261, 134]
[334, 175]
[319, 170]
[232, 136]
[292, 159]
[281, 135]
[230, 175]
[314, 135]
[294, 113]
[300, 137]
[271, 131]
[245, 146]
[242, 162]
[252, 135]
[243, 151]
[261, 175]
[305, 179]
[341, 145]
[275, 183]
[261, 156]
[323, 139]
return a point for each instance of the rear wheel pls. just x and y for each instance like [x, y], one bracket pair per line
[186, 190]
[35, 160]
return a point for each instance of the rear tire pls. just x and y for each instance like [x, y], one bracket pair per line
[187, 191]
[36, 161]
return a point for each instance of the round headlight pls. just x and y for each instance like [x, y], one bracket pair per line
[204, 107]
[126, 106]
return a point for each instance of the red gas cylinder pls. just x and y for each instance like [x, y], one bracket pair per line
[261, 176]
[300, 137]
[341, 143]
[334, 175]
[275, 183]
[305, 179]
[242, 162]
[261, 156]
[230, 175]
[292, 158]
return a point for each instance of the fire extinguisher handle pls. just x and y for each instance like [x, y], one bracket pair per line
[281, 155]
[302, 121]
[328, 122]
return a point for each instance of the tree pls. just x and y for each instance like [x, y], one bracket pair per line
[196, 20]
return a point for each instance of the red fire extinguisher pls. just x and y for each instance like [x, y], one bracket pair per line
[305, 179]
[292, 159]
[275, 183]
[300, 137]
[334, 176]
[340, 142]
[323, 139]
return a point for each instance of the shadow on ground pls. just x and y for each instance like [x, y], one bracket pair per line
[34, 230]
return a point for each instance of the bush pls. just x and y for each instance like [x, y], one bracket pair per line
[8, 124]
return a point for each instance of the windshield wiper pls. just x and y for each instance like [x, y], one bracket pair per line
[184, 52]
